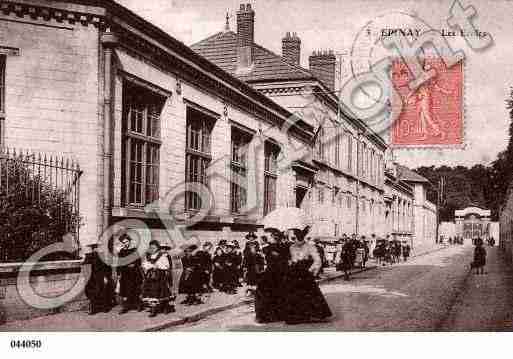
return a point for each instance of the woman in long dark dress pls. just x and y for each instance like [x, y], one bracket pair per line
[130, 277]
[191, 282]
[253, 265]
[217, 271]
[100, 286]
[304, 301]
[270, 291]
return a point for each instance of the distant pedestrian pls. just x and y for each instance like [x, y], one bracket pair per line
[479, 257]
[345, 263]
[366, 251]
[406, 251]
[320, 249]
[396, 249]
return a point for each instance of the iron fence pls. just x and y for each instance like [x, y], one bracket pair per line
[39, 202]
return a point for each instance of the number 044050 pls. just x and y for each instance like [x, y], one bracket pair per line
[26, 344]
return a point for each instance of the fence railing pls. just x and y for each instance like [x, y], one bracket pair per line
[39, 202]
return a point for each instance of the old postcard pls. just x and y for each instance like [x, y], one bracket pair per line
[278, 165]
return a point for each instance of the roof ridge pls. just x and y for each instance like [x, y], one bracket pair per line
[211, 37]
[282, 59]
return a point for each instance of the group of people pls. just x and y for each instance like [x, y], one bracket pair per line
[452, 240]
[278, 270]
[391, 251]
[353, 252]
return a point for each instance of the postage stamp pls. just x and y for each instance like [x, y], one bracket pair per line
[432, 114]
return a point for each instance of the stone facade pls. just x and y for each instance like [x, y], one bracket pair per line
[399, 201]
[506, 224]
[67, 89]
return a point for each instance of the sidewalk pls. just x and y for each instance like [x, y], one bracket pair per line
[139, 321]
[485, 302]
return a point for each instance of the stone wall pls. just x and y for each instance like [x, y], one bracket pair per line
[48, 279]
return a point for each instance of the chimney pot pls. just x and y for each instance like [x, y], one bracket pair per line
[322, 65]
[245, 36]
[291, 48]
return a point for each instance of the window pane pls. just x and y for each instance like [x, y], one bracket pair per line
[269, 194]
[141, 109]
[271, 158]
[2, 83]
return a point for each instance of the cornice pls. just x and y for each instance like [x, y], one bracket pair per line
[46, 13]
[148, 52]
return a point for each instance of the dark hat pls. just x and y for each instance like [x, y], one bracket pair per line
[155, 242]
[191, 247]
[222, 242]
[251, 235]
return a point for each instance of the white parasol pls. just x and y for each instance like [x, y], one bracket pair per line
[285, 218]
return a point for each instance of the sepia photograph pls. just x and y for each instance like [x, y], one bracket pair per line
[255, 166]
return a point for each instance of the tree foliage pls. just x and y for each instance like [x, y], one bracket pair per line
[482, 185]
[33, 214]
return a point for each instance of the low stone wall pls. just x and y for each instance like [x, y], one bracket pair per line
[48, 279]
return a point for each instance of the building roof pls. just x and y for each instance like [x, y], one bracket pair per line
[408, 175]
[221, 49]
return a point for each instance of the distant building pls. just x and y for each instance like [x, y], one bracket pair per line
[399, 211]
[424, 211]
[472, 222]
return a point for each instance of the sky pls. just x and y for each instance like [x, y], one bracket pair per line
[334, 24]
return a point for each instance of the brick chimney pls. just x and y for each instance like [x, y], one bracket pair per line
[322, 65]
[291, 48]
[245, 36]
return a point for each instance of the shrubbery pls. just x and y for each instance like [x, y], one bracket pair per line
[33, 213]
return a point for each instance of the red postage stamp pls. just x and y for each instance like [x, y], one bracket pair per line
[431, 115]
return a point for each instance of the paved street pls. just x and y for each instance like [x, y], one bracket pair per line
[430, 293]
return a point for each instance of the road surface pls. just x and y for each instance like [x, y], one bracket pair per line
[434, 292]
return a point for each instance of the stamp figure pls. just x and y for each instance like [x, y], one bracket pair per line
[431, 114]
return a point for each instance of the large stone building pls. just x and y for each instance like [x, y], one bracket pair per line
[341, 184]
[144, 114]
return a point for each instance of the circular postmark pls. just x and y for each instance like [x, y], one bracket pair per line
[369, 90]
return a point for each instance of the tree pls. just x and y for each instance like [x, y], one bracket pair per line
[33, 213]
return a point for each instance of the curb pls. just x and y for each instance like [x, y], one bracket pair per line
[211, 311]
